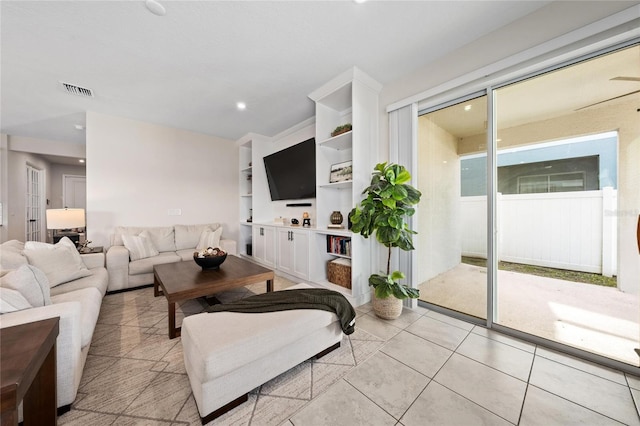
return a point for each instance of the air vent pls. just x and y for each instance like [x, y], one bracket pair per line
[77, 90]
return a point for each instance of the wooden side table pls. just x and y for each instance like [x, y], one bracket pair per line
[28, 372]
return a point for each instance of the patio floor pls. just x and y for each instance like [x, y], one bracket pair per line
[598, 319]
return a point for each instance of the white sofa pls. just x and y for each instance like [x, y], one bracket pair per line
[76, 302]
[174, 244]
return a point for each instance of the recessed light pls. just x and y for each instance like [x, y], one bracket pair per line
[241, 106]
[359, 1]
[155, 7]
[81, 160]
[467, 107]
[78, 126]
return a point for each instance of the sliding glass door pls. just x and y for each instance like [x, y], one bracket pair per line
[452, 237]
[563, 261]
[566, 166]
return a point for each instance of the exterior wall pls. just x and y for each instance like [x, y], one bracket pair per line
[138, 172]
[438, 242]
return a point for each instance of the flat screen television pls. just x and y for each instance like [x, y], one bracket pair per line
[291, 173]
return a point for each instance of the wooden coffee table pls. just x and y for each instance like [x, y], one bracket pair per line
[186, 280]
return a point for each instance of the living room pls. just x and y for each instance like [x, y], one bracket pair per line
[178, 164]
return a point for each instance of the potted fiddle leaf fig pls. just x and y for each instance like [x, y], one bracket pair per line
[389, 200]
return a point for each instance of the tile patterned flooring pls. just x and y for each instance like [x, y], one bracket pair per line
[423, 368]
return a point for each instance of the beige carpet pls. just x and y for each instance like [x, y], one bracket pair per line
[599, 319]
[135, 374]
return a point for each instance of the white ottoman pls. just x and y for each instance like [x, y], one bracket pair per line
[228, 354]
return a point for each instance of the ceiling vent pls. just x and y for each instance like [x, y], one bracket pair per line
[77, 90]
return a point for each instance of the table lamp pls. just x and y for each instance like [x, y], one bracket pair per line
[65, 219]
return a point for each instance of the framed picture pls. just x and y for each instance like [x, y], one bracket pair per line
[341, 172]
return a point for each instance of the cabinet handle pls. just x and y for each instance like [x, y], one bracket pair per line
[638, 234]
[261, 231]
[291, 235]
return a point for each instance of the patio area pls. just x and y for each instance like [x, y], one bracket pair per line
[598, 319]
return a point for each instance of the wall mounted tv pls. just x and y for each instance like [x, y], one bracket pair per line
[291, 173]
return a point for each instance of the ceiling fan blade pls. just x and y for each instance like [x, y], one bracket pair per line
[626, 78]
[610, 99]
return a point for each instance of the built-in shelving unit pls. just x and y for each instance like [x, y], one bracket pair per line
[302, 253]
[352, 97]
[245, 186]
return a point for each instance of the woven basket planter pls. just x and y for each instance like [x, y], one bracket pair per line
[389, 308]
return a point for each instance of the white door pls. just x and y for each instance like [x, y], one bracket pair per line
[34, 205]
[74, 192]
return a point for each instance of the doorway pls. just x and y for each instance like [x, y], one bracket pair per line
[550, 251]
[34, 204]
[74, 191]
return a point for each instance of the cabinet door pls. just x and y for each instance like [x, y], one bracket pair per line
[258, 244]
[300, 256]
[285, 252]
[269, 237]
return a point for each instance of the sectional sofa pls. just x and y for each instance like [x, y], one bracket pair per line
[135, 250]
[30, 291]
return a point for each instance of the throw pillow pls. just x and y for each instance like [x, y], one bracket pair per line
[60, 262]
[139, 246]
[11, 301]
[209, 239]
[30, 282]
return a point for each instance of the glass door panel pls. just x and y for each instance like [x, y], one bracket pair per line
[567, 203]
[451, 242]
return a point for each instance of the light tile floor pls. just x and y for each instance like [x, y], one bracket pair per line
[423, 368]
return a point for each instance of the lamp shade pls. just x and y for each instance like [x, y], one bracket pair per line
[65, 218]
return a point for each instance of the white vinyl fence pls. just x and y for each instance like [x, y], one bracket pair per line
[568, 230]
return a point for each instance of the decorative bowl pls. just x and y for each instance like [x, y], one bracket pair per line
[209, 262]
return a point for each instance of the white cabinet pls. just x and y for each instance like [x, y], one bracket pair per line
[264, 245]
[293, 252]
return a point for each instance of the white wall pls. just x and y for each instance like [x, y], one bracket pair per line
[57, 186]
[138, 171]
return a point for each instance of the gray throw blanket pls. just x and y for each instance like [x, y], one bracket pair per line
[305, 298]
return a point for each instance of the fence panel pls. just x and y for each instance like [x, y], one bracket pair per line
[559, 230]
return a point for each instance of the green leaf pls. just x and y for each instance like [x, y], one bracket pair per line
[380, 167]
[400, 292]
[413, 293]
[397, 275]
[413, 195]
[389, 203]
[382, 292]
[402, 176]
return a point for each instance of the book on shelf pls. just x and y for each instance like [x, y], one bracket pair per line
[332, 226]
[339, 245]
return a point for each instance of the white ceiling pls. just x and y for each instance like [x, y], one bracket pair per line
[188, 68]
